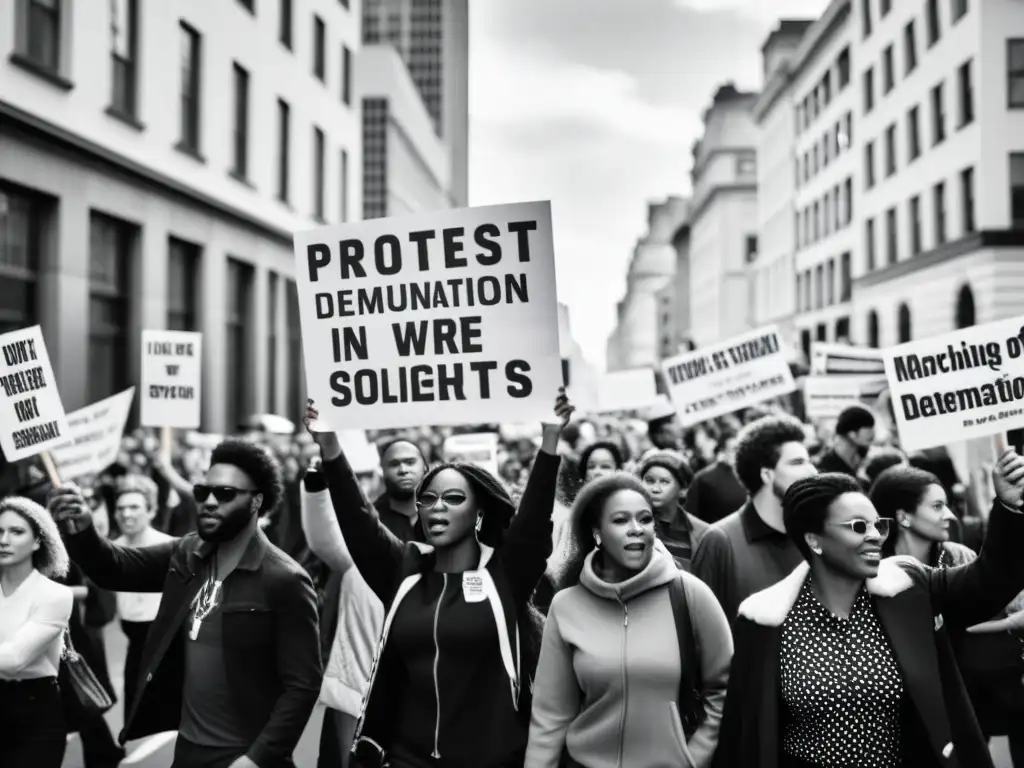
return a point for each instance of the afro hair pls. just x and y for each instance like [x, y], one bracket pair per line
[258, 463]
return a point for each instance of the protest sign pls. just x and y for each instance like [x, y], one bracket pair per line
[825, 397]
[962, 385]
[480, 448]
[171, 379]
[94, 434]
[722, 378]
[362, 455]
[33, 417]
[845, 360]
[626, 390]
[447, 317]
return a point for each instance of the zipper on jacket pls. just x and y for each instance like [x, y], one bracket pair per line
[625, 684]
[437, 659]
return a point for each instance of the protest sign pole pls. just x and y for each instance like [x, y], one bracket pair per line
[51, 468]
[166, 440]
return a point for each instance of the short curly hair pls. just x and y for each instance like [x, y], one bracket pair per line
[141, 484]
[256, 461]
[51, 559]
[807, 502]
[759, 447]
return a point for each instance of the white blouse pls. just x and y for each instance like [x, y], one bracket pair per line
[32, 624]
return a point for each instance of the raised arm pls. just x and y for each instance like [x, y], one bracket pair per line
[321, 526]
[47, 619]
[118, 569]
[376, 551]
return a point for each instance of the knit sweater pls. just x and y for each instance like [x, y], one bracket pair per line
[608, 678]
[360, 612]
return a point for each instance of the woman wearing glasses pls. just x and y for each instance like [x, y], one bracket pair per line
[450, 685]
[847, 661]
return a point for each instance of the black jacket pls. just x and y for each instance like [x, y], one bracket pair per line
[917, 607]
[397, 571]
[270, 635]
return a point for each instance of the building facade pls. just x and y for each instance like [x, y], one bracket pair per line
[723, 218]
[155, 160]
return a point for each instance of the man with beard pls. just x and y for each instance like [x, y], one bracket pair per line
[855, 432]
[403, 466]
[232, 660]
[749, 550]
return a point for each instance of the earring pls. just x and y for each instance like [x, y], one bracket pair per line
[597, 540]
[479, 522]
[816, 550]
[905, 523]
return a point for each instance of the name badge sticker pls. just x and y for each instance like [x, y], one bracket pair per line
[473, 587]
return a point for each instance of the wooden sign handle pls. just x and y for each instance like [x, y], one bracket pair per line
[51, 468]
[166, 443]
[1001, 446]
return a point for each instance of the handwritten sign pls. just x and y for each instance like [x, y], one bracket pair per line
[95, 434]
[171, 379]
[32, 417]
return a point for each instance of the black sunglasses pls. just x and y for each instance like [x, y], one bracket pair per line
[222, 493]
[450, 499]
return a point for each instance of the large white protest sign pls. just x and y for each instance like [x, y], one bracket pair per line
[626, 390]
[965, 384]
[845, 360]
[94, 434]
[32, 416]
[738, 373]
[171, 379]
[480, 448]
[447, 317]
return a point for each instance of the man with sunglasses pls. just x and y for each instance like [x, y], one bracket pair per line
[232, 661]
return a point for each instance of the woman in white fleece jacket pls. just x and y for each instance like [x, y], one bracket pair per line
[360, 619]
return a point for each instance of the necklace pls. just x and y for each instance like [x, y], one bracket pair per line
[204, 603]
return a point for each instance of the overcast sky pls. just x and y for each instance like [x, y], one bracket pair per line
[594, 105]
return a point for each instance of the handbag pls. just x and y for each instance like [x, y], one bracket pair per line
[87, 688]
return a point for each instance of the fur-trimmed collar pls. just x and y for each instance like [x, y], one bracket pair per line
[771, 606]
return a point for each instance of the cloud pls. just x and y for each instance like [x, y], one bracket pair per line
[761, 10]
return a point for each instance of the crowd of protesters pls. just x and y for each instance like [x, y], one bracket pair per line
[624, 592]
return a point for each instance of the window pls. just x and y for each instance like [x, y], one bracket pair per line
[913, 134]
[915, 225]
[826, 209]
[799, 292]
[346, 76]
[816, 222]
[750, 249]
[123, 56]
[884, 7]
[111, 242]
[21, 230]
[318, 174]
[869, 244]
[966, 94]
[272, 281]
[958, 9]
[1017, 190]
[843, 330]
[39, 38]
[909, 47]
[1015, 73]
[830, 283]
[296, 371]
[939, 198]
[283, 149]
[344, 185]
[865, 17]
[965, 308]
[845, 277]
[746, 166]
[821, 334]
[890, 150]
[967, 199]
[888, 73]
[903, 322]
[241, 133]
[826, 89]
[284, 26]
[848, 198]
[238, 353]
[807, 289]
[938, 116]
[319, 49]
[931, 15]
[819, 286]
[182, 285]
[873, 333]
[191, 62]
[843, 68]
[869, 165]
[869, 90]
[837, 218]
[891, 237]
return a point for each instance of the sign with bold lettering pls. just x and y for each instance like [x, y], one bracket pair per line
[95, 436]
[32, 416]
[738, 373]
[171, 379]
[845, 360]
[963, 385]
[446, 317]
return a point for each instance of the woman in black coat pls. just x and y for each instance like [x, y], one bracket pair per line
[848, 661]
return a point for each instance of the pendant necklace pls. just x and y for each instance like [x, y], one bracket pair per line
[204, 603]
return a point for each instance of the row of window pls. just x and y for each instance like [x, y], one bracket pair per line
[816, 289]
[820, 96]
[832, 213]
[113, 261]
[932, 14]
[836, 140]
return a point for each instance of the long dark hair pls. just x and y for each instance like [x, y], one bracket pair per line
[584, 517]
[899, 488]
[491, 497]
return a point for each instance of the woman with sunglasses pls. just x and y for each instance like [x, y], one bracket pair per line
[848, 661]
[450, 687]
